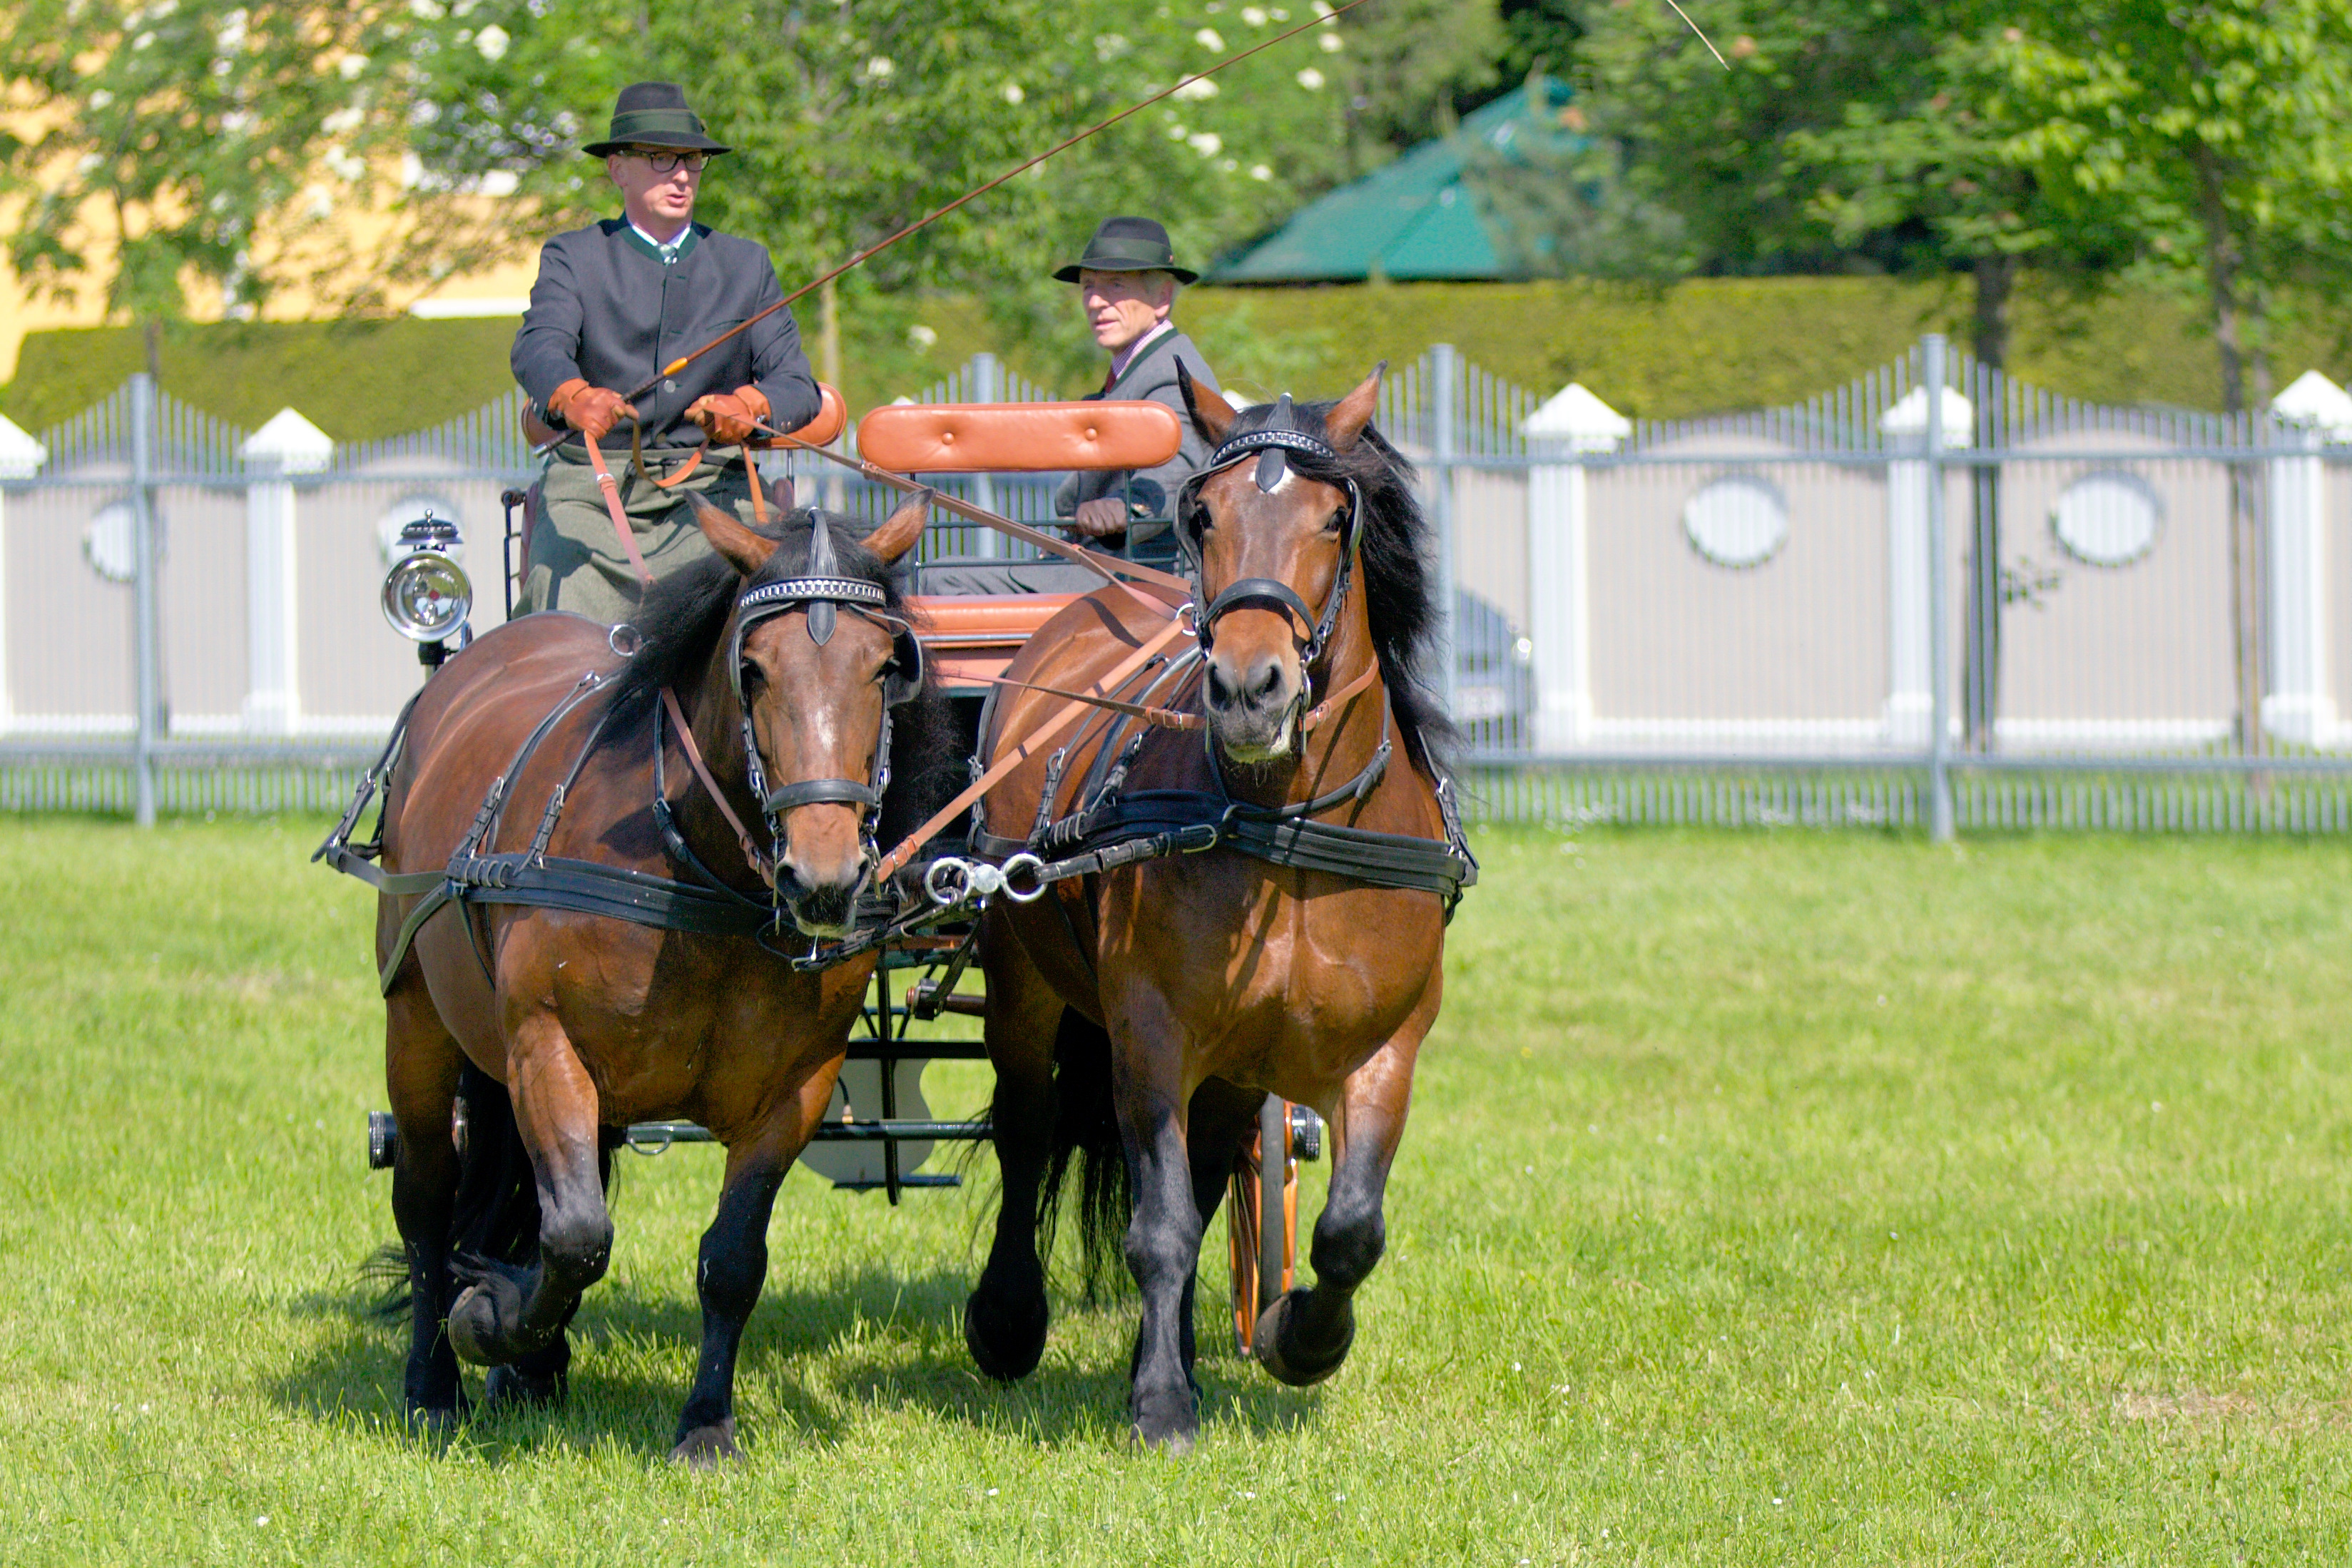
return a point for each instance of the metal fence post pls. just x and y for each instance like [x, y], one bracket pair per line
[987, 383]
[1445, 372]
[147, 678]
[1939, 631]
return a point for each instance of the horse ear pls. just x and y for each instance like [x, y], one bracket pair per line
[783, 492]
[1211, 414]
[744, 550]
[898, 536]
[1353, 412]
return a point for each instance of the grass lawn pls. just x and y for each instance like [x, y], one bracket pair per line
[1770, 1198]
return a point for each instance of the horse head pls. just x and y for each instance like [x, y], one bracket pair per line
[1272, 551]
[814, 659]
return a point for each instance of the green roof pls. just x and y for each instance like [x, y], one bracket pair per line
[1416, 219]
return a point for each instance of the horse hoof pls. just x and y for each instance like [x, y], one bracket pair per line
[432, 1422]
[1289, 1363]
[706, 1447]
[512, 1386]
[1169, 1423]
[1004, 1346]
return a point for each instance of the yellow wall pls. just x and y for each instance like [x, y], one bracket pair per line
[349, 226]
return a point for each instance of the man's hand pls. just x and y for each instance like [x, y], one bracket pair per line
[1101, 518]
[729, 417]
[591, 410]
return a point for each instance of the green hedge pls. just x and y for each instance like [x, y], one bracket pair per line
[1702, 346]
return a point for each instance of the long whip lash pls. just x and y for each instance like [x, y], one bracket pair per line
[926, 220]
[1702, 36]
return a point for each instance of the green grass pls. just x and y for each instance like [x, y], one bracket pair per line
[1770, 1198]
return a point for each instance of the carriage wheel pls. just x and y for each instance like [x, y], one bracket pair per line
[1262, 1221]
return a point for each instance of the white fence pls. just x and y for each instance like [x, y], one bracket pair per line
[1987, 607]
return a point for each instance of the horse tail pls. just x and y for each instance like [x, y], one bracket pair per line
[1085, 1136]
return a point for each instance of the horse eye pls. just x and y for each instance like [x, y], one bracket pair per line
[749, 676]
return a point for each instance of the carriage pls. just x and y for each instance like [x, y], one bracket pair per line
[1112, 741]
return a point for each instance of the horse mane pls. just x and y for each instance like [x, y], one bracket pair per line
[679, 621]
[1395, 555]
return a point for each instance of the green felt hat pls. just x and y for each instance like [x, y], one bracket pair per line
[654, 114]
[1127, 245]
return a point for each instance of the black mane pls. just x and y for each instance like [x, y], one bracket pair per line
[681, 618]
[1399, 591]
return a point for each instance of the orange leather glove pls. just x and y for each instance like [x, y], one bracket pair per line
[591, 410]
[728, 417]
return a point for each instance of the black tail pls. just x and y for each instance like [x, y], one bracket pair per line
[1086, 1131]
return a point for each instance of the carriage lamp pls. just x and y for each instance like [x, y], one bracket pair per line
[427, 594]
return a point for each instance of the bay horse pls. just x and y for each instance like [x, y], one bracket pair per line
[519, 1040]
[1138, 1017]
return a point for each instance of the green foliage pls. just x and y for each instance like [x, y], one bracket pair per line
[176, 132]
[2218, 127]
[1768, 1198]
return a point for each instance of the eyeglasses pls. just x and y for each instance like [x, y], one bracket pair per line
[671, 162]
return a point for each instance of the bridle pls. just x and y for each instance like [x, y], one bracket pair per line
[822, 591]
[1312, 632]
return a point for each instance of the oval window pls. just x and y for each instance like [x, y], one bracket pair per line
[1737, 520]
[2107, 519]
[111, 543]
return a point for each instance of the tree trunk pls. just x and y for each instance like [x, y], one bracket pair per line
[2224, 268]
[1996, 281]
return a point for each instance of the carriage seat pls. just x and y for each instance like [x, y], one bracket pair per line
[968, 638]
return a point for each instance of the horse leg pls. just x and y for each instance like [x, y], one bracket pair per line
[1222, 1115]
[507, 1312]
[1005, 1318]
[733, 1267]
[421, 1065]
[1163, 1240]
[1304, 1334]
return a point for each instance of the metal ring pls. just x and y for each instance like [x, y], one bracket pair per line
[1025, 865]
[648, 1146]
[946, 896]
[623, 632]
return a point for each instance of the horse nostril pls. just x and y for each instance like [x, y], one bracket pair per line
[1220, 690]
[1270, 679]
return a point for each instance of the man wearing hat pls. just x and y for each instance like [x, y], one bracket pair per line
[615, 303]
[1127, 287]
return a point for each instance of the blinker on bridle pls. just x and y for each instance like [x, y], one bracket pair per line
[821, 589]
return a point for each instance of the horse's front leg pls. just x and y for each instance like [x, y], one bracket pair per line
[733, 1268]
[1163, 1238]
[1304, 1335]
[507, 1313]
[1005, 1318]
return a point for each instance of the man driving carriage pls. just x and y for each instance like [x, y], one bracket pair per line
[612, 304]
[1126, 282]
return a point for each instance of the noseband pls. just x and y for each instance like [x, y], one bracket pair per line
[1272, 445]
[821, 591]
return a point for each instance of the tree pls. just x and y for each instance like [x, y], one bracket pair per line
[196, 143]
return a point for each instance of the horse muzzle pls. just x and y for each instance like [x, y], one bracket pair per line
[1254, 706]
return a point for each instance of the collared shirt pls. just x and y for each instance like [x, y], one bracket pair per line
[670, 252]
[1127, 356]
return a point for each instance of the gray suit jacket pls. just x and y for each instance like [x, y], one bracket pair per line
[606, 308]
[1151, 493]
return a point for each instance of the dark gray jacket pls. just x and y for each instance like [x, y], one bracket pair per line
[606, 308]
[1151, 493]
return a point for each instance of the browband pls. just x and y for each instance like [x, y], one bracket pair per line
[1240, 447]
[799, 590]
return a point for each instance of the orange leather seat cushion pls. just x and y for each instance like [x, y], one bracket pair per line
[1018, 437]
